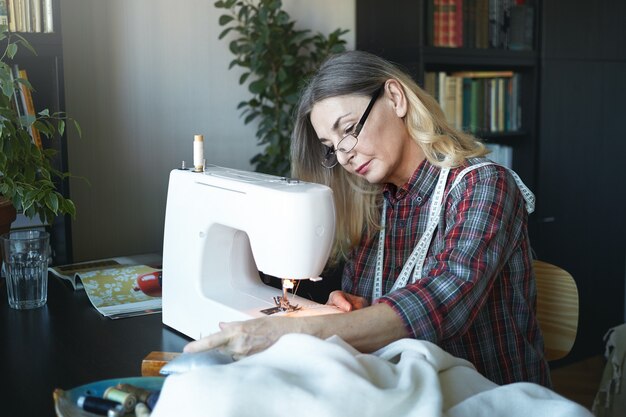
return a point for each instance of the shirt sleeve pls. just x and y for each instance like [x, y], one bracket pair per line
[481, 225]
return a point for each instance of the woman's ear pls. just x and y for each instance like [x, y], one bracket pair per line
[395, 93]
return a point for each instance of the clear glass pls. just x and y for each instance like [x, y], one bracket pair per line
[25, 264]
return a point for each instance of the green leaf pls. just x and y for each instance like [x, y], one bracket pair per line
[250, 117]
[78, 129]
[52, 202]
[225, 19]
[11, 50]
[243, 77]
[277, 59]
[225, 32]
[258, 86]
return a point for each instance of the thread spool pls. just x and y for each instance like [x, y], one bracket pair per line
[101, 406]
[127, 399]
[141, 394]
[142, 410]
[198, 153]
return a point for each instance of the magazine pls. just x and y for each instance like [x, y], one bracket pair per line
[71, 273]
[118, 292]
[117, 287]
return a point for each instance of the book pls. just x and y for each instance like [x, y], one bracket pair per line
[521, 28]
[117, 287]
[47, 16]
[11, 15]
[501, 154]
[29, 106]
[483, 74]
[482, 24]
[4, 13]
[36, 17]
[457, 40]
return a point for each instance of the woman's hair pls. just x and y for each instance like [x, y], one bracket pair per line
[357, 202]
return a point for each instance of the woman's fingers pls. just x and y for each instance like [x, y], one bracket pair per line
[215, 340]
[339, 299]
[346, 302]
[243, 338]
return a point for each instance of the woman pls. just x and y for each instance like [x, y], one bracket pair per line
[434, 235]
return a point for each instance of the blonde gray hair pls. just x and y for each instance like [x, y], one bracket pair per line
[357, 202]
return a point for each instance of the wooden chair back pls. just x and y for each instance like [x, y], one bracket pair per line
[557, 308]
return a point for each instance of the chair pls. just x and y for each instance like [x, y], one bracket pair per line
[557, 308]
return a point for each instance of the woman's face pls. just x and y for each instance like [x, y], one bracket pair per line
[385, 152]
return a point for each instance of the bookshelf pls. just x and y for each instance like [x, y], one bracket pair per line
[45, 72]
[410, 33]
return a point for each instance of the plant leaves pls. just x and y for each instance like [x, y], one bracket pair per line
[225, 19]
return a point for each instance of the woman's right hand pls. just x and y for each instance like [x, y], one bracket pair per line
[346, 302]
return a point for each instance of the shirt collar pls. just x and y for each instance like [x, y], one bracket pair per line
[419, 187]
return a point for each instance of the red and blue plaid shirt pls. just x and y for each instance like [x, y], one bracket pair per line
[476, 297]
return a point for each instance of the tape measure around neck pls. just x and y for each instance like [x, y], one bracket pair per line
[415, 262]
[417, 257]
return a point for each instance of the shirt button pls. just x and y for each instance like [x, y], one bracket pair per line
[419, 199]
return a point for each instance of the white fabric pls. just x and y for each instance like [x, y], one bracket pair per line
[303, 376]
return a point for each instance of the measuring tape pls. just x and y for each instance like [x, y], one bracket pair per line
[415, 262]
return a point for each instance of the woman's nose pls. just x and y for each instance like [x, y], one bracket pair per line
[344, 157]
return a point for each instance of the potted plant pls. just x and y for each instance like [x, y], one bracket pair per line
[27, 173]
[276, 59]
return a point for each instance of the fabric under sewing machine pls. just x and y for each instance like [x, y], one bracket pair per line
[304, 376]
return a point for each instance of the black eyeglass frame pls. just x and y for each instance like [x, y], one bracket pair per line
[332, 152]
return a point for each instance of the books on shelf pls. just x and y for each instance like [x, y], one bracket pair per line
[503, 24]
[117, 287]
[29, 15]
[24, 105]
[28, 106]
[478, 101]
[500, 154]
[4, 13]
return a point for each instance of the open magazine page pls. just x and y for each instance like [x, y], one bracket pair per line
[124, 290]
[71, 273]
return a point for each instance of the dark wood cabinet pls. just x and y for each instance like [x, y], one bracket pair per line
[580, 219]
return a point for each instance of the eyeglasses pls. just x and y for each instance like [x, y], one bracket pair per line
[349, 141]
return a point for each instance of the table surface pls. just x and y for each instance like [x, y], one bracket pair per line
[67, 343]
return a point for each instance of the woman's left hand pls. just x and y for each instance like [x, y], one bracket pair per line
[243, 338]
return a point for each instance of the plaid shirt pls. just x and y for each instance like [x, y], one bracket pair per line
[476, 297]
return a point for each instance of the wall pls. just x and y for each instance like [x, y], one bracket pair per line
[142, 77]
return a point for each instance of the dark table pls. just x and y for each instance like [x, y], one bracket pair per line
[67, 343]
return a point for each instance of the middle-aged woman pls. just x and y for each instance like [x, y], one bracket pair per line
[434, 235]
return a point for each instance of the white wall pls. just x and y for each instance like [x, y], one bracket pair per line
[142, 77]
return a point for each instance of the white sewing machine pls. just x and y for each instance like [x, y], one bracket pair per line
[222, 226]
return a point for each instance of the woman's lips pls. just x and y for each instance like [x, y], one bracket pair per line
[363, 168]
